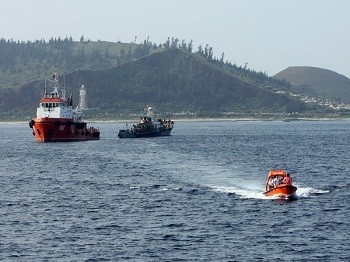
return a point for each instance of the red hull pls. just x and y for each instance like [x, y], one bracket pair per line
[62, 130]
[282, 191]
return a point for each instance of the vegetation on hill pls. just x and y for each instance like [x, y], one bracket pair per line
[317, 82]
[23, 62]
[121, 78]
[174, 80]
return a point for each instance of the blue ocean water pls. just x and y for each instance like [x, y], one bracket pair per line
[193, 196]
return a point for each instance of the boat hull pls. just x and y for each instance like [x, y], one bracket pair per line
[282, 191]
[62, 130]
[134, 134]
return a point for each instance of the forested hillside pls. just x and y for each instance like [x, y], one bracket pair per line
[120, 78]
[174, 80]
[24, 62]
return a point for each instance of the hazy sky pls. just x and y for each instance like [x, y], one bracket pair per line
[269, 35]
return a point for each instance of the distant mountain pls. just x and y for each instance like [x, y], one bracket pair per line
[174, 80]
[317, 82]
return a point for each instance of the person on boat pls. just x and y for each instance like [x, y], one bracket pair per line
[276, 181]
[271, 183]
[287, 179]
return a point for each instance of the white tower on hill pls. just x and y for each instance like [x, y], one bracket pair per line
[82, 98]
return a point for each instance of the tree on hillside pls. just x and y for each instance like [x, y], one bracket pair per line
[122, 54]
[174, 42]
[206, 51]
[200, 50]
[183, 44]
[222, 57]
[167, 43]
[190, 46]
[129, 55]
[210, 54]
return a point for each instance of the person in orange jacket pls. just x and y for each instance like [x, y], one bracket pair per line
[287, 179]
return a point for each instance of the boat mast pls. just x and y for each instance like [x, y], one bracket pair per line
[55, 81]
[45, 91]
[64, 87]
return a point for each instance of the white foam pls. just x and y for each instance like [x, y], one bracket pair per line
[245, 193]
[309, 192]
[241, 192]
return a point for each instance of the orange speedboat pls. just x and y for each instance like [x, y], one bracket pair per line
[276, 185]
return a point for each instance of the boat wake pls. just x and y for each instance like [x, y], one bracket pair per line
[240, 192]
[245, 193]
[230, 179]
[310, 192]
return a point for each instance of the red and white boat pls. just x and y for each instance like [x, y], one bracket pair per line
[276, 187]
[57, 121]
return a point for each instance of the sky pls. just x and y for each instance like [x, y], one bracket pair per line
[268, 35]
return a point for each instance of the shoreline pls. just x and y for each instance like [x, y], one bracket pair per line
[204, 120]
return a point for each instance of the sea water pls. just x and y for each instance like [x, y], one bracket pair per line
[193, 196]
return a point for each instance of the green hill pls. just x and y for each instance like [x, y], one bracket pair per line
[174, 80]
[317, 82]
[24, 62]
